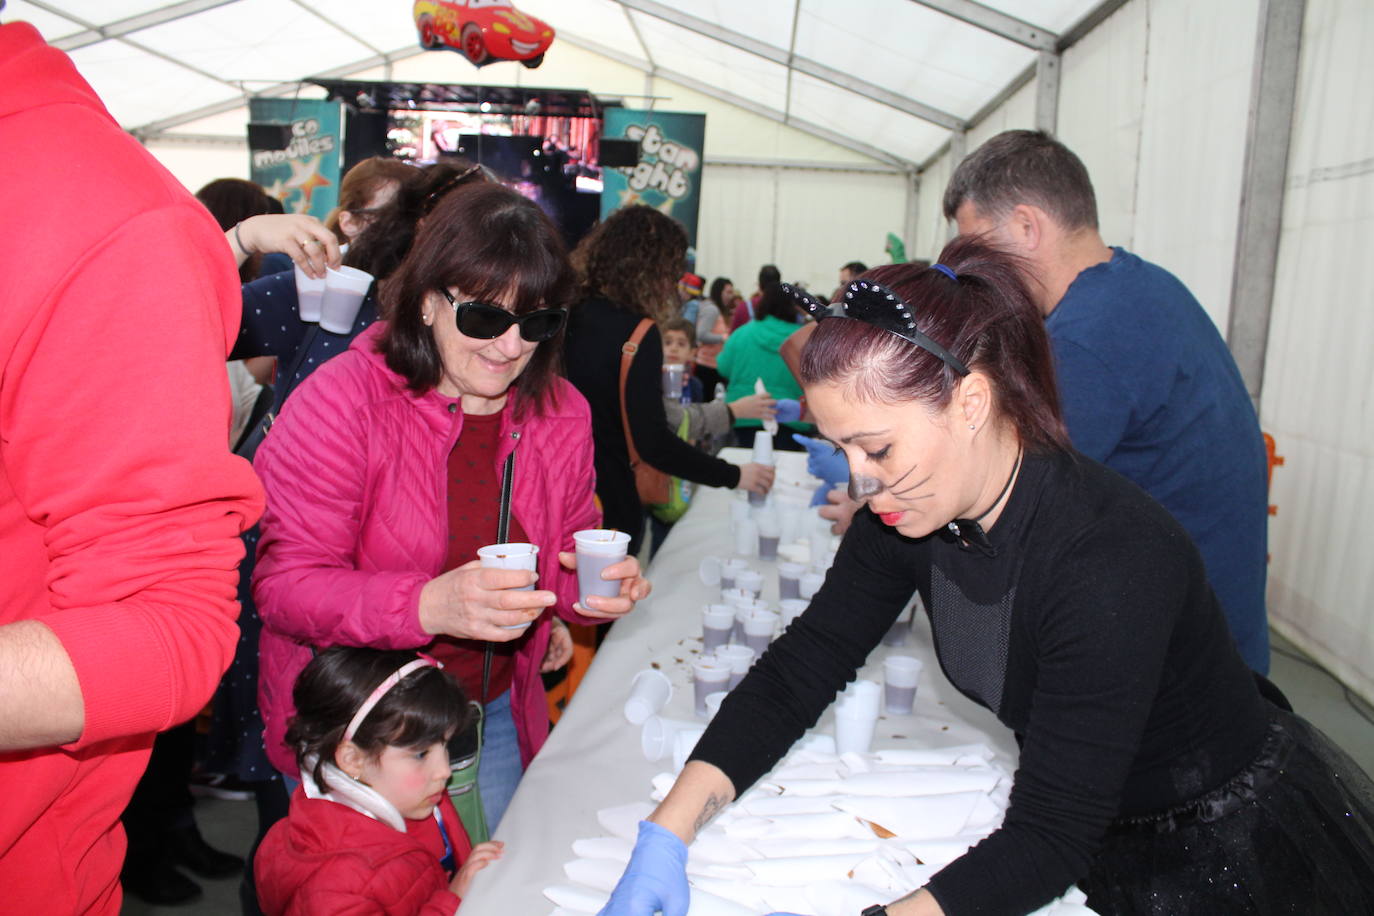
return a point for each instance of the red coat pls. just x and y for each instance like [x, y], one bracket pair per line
[120, 505]
[326, 859]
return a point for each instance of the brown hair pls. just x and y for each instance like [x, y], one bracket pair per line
[682, 326]
[634, 258]
[384, 242]
[985, 318]
[1024, 167]
[363, 181]
[487, 241]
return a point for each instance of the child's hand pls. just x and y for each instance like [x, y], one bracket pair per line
[753, 407]
[482, 855]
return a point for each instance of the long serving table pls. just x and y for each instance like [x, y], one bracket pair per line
[593, 759]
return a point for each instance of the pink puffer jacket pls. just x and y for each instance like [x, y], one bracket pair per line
[356, 522]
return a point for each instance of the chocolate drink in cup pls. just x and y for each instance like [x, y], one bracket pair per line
[596, 550]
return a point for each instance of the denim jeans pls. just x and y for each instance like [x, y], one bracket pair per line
[499, 771]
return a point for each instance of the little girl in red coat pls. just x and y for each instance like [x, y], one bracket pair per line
[371, 828]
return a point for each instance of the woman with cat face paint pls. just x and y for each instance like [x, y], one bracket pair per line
[1153, 771]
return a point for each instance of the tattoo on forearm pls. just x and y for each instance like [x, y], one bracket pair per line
[713, 805]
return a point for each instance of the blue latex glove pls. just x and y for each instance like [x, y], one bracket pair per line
[822, 460]
[789, 410]
[655, 879]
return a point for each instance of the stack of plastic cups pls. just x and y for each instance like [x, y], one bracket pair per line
[746, 532]
[763, 454]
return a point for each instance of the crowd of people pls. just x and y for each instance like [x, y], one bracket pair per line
[1043, 436]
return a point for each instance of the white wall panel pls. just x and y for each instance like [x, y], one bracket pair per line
[1318, 373]
[1101, 92]
[1192, 145]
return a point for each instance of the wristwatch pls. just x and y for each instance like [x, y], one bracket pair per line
[877, 909]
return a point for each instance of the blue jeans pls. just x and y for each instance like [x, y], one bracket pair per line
[499, 771]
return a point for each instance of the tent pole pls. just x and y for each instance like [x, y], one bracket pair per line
[1273, 89]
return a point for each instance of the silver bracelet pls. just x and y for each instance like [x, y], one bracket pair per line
[238, 241]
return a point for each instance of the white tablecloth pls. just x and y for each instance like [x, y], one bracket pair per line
[593, 759]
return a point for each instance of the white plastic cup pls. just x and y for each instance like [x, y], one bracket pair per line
[759, 627]
[713, 701]
[658, 734]
[749, 581]
[710, 674]
[598, 548]
[900, 674]
[739, 658]
[309, 295]
[763, 447]
[684, 742]
[716, 623]
[854, 729]
[792, 608]
[791, 515]
[736, 597]
[672, 380]
[810, 583]
[344, 290]
[511, 556]
[746, 536]
[715, 571]
[864, 695]
[743, 608]
[739, 508]
[789, 579]
[649, 692]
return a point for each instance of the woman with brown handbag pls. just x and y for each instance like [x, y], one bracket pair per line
[629, 266]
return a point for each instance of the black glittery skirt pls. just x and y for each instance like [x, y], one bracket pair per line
[1291, 833]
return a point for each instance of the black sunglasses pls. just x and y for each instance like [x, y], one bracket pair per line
[484, 321]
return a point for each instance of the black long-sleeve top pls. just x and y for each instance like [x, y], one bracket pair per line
[1092, 634]
[597, 329]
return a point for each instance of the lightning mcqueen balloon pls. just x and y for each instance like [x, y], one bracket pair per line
[483, 30]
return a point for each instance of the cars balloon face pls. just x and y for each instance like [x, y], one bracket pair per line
[483, 31]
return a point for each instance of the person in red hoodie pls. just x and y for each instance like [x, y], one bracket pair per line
[371, 827]
[120, 505]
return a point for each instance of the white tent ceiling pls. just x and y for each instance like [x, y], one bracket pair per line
[898, 74]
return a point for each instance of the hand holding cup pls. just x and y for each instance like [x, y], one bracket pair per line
[615, 600]
[471, 602]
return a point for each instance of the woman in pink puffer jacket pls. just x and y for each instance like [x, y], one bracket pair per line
[384, 472]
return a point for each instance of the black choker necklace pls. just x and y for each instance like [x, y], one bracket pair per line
[968, 533]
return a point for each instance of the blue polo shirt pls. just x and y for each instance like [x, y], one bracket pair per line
[1150, 389]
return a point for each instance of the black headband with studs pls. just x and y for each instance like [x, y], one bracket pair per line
[875, 304]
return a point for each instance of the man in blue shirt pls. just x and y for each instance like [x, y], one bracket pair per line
[1148, 386]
